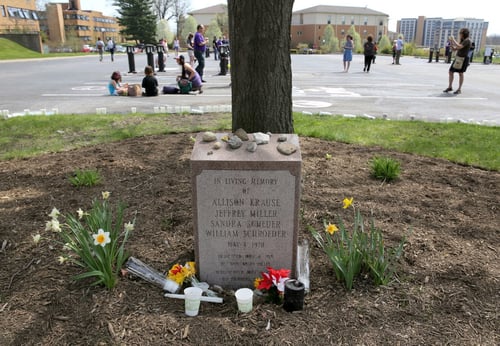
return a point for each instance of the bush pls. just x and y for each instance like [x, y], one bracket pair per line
[385, 168]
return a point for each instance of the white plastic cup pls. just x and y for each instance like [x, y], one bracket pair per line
[192, 298]
[244, 298]
[133, 110]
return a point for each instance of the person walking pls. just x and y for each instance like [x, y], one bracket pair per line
[100, 48]
[214, 46]
[176, 47]
[200, 45]
[348, 46]
[399, 48]
[369, 52]
[394, 52]
[461, 61]
[111, 48]
[190, 48]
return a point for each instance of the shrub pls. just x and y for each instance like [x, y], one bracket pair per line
[385, 168]
[85, 178]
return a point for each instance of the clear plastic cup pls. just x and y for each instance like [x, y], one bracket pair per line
[244, 298]
[192, 298]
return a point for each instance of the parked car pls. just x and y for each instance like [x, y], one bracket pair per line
[120, 49]
[86, 48]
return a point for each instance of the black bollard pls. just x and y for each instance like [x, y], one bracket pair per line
[161, 58]
[131, 60]
[437, 55]
[150, 50]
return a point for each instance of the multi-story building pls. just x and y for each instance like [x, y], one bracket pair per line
[434, 32]
[63, 19]
[308, 25]
[18, 16]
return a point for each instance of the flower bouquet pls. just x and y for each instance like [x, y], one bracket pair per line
[272, 284]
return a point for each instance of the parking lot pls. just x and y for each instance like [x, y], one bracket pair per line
[410, 91]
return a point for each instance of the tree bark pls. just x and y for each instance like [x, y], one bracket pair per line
[261, 73]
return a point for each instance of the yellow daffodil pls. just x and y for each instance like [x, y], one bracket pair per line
[347, 202]
[101, 238]
[36, 238]
[61, 259]
[328, 156]
[105, 194]
[331, 228]
[54, 213]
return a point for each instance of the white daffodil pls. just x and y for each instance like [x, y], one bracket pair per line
[56, 227]
[48, 226]
[101, 238]
[61, 259]
[36, 238]
[129, 226]
[80, 213]
[105, 194]
[54, 213]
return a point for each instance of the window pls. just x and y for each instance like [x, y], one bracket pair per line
[352, 20]
[343, 20]
[4, 14]
[365, 21]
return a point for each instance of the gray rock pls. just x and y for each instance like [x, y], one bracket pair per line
[234, 142]
[209, 137]
[282, 138]
[286, 148]
[241, 134]
[261, 138]
[252, 147]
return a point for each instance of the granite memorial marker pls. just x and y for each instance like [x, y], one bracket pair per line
[245, 207]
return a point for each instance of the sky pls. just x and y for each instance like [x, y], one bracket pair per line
[396, 9]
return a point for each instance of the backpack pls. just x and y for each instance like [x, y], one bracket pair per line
[185, 86]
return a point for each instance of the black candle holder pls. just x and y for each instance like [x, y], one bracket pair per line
[294, 295]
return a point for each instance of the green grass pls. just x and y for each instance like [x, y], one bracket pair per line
[466, 144]
[11, 50]
[461, 143]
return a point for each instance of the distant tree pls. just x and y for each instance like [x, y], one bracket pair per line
[163, 31]
[213, 30]
[223, 21]
[178, 13]
[137, 19]
[330, 43]
[162, 8]
[358, 42]
[188, 26]
[261, 65]
[385, 45]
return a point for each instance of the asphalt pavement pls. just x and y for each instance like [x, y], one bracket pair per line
[413, 90]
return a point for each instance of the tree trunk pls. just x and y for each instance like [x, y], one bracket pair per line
[261, 73]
